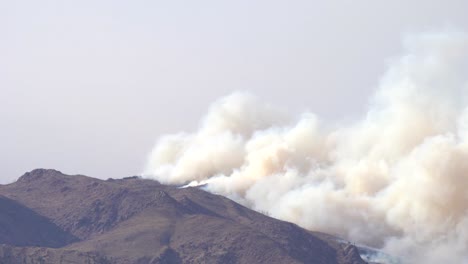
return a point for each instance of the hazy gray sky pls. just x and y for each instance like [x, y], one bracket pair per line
[88, 86]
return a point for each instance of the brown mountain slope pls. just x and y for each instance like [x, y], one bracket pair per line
[36, 255]
[141, 221]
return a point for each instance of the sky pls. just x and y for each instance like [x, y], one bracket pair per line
[87, 87]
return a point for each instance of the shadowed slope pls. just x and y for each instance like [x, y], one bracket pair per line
[21, 226]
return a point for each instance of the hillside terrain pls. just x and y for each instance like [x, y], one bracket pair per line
[50, 217]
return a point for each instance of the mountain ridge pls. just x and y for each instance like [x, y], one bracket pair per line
[134, 220]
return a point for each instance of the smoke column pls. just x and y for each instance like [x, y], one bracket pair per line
[395, 179]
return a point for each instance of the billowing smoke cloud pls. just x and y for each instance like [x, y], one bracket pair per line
[396, 179]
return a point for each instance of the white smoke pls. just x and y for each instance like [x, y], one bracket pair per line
[396, 179]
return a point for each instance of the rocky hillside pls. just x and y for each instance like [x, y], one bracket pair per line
[49, 217]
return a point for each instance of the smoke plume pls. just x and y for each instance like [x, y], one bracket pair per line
[395, 179]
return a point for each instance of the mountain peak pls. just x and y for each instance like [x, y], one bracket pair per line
[39, 174]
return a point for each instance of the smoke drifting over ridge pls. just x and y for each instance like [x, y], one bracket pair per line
[395, 179]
